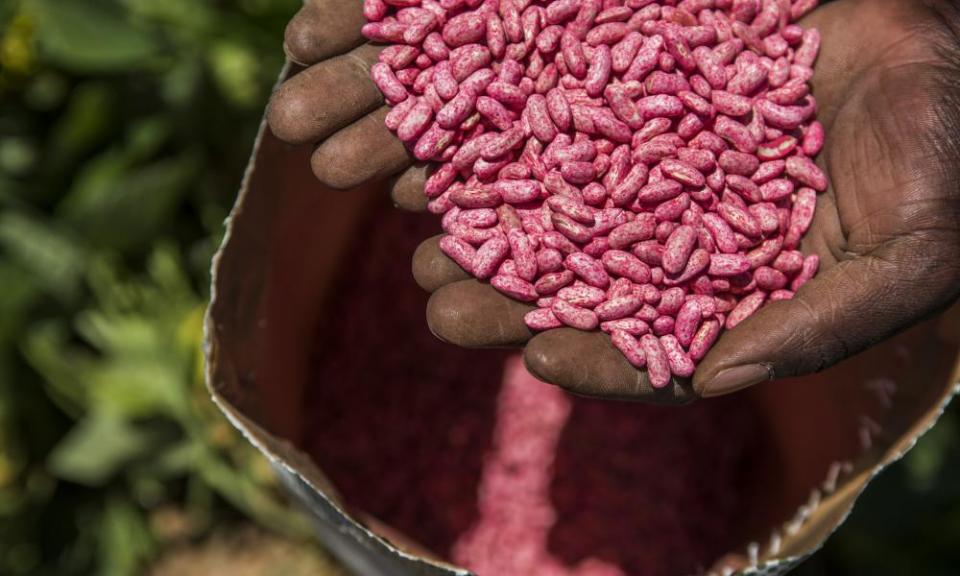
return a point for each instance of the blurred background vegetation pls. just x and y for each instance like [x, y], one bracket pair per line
[124, 129]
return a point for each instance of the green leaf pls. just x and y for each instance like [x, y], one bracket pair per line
[54, 259]
[88, 36]
[63, 371]
[82, 125]
[97, 447]
[125, 539]
[236, 69]
[17, 294]
[121, 208]
[140, 386]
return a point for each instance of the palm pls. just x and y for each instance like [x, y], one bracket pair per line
[876, 101]
[886, 230]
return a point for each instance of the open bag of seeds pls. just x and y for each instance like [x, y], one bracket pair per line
[417, 457]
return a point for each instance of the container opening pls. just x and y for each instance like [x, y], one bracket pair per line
[319, 336]
[465, 453]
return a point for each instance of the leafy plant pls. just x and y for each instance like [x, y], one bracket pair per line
[125, 126]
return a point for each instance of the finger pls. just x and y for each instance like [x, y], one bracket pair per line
[587, 364]
[362, 152]
[323, 28]
[407, 190]
[844, 310]
[432, 269]
[325, 97]
[474, 315]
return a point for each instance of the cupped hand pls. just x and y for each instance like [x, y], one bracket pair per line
[887, 231]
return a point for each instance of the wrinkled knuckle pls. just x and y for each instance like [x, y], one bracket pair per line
[361, 60]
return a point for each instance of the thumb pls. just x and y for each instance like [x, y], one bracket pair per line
[849, 307]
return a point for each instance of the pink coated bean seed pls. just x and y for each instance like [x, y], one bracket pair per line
[574, 316]
[789, 262]
[765, 253]
[678, 248]
[584, 295]
[515, 287]
[688, 321]
[810, 265]
[671, 300]
[459, 251]
[703, 340]
[489, 257]
[626, 265]
[658, 367]
[744, 309]
[778, 148]
[633, 326]
[619, 307]
[589, 269]
[680, 363]
[781, 295]
[627, 344]
[399, 112]
[388, 83]
[541, 319]
[554, 281]
[801, 216]
[806, 172]
[813, 139]
[769, 279]
[728, 264]
[549, 260]
[478, 218]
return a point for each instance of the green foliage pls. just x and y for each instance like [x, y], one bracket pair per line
[84, 37]
[124, 128]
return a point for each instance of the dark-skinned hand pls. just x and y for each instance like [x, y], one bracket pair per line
[887, 231]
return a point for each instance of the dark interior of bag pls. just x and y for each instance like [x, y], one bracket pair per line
[409, 428]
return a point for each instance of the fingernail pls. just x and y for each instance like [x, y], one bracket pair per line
[737, 378]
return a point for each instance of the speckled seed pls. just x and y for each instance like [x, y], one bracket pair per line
[583, 295]
[703, 340]
[542, 319]
[744, 309]
[554, 281]
[587, 268]
[574, 316]
[806, 172]
[633, 326]
[619, 307]
[680, 363]
[516, 288]
[459, 251]
[678, 248]
[688, 321]
[658, 367]
[801, 216]
[489, 257]
[628, 345]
